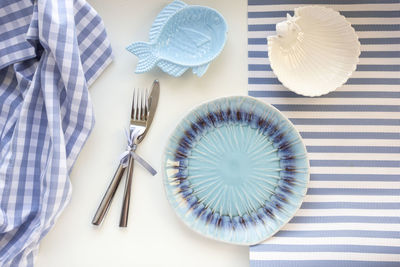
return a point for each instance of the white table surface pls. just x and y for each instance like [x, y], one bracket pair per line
[155, 236]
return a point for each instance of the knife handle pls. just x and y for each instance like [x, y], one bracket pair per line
[108, 196]
[127, 195]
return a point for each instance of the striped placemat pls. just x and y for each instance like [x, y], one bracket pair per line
[351, 214]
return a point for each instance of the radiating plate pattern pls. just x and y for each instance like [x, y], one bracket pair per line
[235, 170]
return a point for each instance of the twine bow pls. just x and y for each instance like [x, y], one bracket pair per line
[130, 151]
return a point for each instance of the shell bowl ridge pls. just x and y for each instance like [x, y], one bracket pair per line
[314, 52]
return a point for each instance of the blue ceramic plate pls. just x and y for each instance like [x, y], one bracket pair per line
[235, 170]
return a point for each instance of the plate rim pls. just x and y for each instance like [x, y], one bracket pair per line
[165, 177]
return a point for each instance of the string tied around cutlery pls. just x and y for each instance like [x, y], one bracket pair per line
[130, 151]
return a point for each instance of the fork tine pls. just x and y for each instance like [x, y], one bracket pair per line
[140, 105]
[133, 104]
[136, 103]
[143, 104]
[146, 104]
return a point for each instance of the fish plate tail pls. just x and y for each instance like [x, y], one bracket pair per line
[144, 51]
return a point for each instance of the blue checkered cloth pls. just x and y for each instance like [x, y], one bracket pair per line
[50, 52]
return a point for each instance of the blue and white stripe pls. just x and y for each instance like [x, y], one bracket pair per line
[351, 214]
[50, 52]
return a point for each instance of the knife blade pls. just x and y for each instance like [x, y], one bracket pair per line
[153, 102]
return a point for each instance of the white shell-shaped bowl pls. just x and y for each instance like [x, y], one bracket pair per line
[314, 52]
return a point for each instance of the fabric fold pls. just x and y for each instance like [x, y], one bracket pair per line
[50, 52]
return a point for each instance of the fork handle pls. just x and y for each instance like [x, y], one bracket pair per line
[108, 196]
[127, 195]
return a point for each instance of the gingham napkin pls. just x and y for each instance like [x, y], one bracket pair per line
[50, 52]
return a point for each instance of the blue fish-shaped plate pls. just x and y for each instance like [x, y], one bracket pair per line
[182, 37]
[235, 170]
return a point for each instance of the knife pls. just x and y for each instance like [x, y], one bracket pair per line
[112, 188]
[153, 102]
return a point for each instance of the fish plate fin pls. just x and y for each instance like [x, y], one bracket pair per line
[171, 68]
[200, 70]
[162, 18]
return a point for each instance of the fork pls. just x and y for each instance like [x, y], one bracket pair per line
[137, 127]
